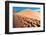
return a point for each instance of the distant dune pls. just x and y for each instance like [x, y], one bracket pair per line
[26, 18]
[29, 13]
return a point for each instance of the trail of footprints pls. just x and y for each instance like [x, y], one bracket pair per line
[26, 22]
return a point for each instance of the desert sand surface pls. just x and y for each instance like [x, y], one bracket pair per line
[26, 18]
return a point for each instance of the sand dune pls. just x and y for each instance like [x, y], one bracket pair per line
[27, 18]
[29, 13]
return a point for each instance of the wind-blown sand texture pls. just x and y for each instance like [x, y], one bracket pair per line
[26, 18]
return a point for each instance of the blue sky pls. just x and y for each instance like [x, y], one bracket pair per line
[23, 8]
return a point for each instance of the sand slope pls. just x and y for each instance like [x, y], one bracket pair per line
[29, 14]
